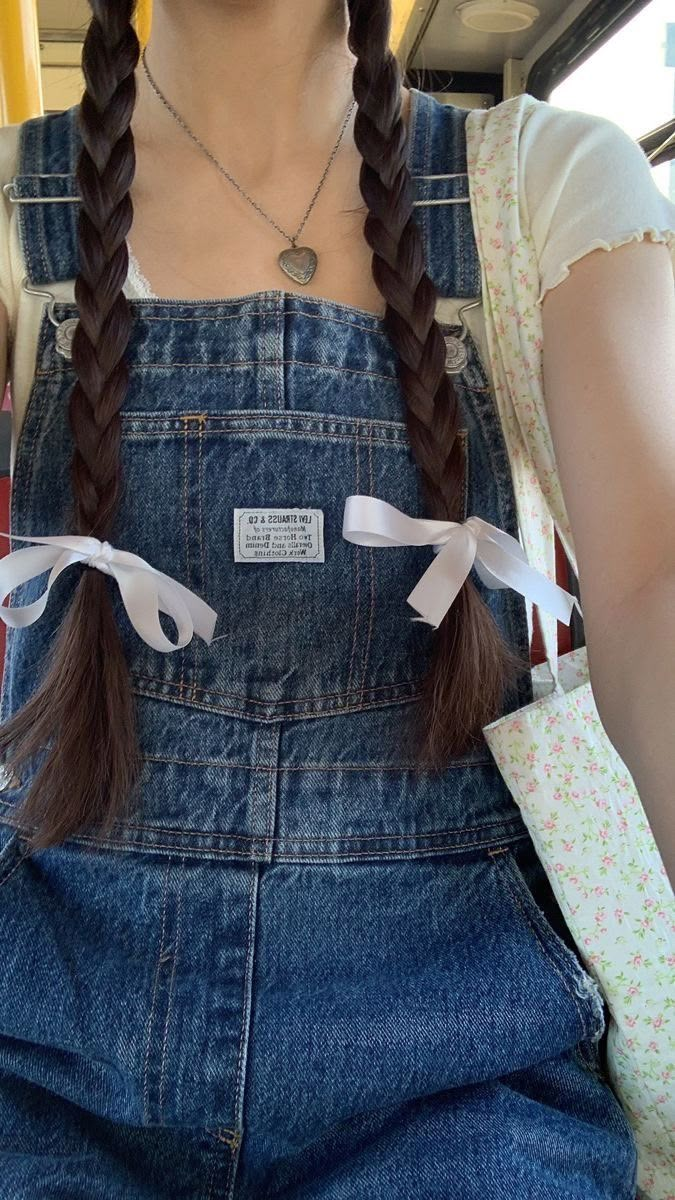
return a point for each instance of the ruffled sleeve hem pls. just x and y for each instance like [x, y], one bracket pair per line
[666, 236]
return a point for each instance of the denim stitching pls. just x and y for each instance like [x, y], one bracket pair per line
[427, 137]
[356, 558]
[187, 545]
[262, 364]
[27, 437]
[200, 512]
[214, 1162]
[245, 1020]
[65, 307]
[255, 792]
[314, 856]
[498, 823]
[396, 431]
[279, 384]
[232, 1142]
[234, 1134]
[307, 714]
[332, 368]
[395, 438]
[307, 838]
[350, 324]
[11, 871]
[149, 1022]
[380, 687]
[174, 955]
[232, 1166]
[371, 560]
[272, 797]
[41, 226]
[353, 855]
[326, 306]
[278, 435]
[378, 332]
[484, 828]
[277, 362]
[287, 421]
[314, 766]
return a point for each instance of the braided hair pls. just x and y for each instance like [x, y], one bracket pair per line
[471, 666]
[83, 709]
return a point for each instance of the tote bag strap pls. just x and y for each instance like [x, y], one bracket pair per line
[514, 334]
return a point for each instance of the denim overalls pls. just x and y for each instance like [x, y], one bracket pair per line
[301, 968]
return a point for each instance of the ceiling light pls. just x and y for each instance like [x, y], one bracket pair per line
[497, 16]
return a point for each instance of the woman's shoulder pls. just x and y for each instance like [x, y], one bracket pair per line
[569, 180]
[584, 184]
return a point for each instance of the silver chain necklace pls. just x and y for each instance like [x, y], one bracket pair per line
[300, 262]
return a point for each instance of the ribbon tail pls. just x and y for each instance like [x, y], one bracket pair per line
[202, 615]
[23, 565]
[435, 592]
[494, 562]
[140, 596]
[172, 598]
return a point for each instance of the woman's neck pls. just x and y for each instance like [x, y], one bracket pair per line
[261, 82]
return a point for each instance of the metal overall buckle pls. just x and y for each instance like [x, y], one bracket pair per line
[65, 330]
[456, 353]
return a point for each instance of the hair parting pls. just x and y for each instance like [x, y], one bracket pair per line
[81, 719]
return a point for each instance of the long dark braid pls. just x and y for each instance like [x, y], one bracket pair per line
[83, 710]
[471, 665]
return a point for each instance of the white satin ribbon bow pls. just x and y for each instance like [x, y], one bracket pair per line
[145, 591]
[499, 559]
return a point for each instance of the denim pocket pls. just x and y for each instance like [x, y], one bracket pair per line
[523, 883]
[292, 638]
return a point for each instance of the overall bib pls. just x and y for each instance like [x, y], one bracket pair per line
[301, 968]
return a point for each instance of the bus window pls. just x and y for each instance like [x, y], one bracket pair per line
[630, 78]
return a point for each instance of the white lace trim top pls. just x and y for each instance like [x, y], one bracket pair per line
[137, 284]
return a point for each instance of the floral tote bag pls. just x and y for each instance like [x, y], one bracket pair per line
[576, 795]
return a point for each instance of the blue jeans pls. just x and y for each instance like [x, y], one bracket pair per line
[340, 1023]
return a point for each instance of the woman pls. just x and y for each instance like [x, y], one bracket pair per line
[251, 948]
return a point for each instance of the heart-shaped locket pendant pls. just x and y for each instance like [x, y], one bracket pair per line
[299, 263]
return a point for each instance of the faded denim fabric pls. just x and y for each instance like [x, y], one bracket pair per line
[300, 969]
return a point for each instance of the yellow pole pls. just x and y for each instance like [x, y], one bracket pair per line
[20, 77]
[401, 12]
[143, 21]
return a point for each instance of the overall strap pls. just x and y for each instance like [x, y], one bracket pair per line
[438, 166]
[47, 192]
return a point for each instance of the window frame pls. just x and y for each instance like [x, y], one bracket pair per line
[590, 30]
